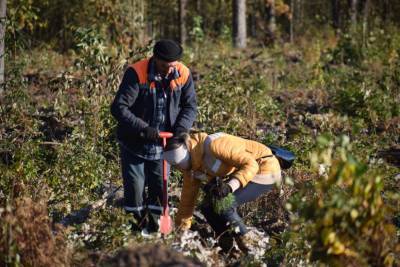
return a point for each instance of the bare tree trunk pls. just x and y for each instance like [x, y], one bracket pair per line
[353, 15]
[218, 21]
[253, 27]
[335, 14]
[151, 26]
[300, 13]
[198, 6]
[131, 16]
[143, 34]
[271, 19]
[3, 6]
[239, 23]
[365, 21]
[182, 21]
[386, 10]
[292, 10]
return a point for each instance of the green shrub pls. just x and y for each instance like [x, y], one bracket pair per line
[341, 218]
[348, 51]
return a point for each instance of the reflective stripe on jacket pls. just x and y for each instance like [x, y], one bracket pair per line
[222, 155]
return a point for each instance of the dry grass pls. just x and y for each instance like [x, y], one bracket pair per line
[28, 236]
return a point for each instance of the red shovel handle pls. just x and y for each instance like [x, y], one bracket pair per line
[165, 219]
[165, 135]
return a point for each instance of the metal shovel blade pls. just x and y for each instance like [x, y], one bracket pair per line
[165, 223]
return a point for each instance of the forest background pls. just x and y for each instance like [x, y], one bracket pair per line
[321, 78]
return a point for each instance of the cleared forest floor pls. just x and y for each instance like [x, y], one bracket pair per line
[58, 150]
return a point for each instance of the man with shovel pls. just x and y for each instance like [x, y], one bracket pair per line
[156, 94]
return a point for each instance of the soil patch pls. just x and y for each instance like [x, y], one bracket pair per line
[144, 256]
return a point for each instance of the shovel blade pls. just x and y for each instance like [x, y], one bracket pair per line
[165, 224]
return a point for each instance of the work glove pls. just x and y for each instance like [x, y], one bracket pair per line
[179, 131]
[182, 223]
[150, 134]
[220, 189]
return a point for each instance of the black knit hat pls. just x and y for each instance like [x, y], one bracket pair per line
[168, 50]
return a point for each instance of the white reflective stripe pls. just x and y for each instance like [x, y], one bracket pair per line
[213, 163]
[153, 207]
[214, 136]
[216, 165]
[133, 208]
[270, 178]
[199, 175]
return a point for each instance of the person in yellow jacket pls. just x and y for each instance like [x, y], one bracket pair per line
[248, 169]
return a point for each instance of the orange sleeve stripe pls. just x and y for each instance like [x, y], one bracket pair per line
[140, 68]
[184, 76]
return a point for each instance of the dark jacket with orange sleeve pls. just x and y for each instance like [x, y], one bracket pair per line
[135, 103]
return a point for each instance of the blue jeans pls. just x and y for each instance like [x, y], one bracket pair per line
[139, 174]
[230, 218]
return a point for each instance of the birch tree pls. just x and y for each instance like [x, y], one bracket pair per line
[367, 4]
[353, 14]
[239, 23]
[182, 21]
[271, 19]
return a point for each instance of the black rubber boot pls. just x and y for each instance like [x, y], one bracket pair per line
[225, 242]
[153, 222]
[138, 222]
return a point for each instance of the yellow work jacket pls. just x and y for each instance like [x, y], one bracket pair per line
[220, 155]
